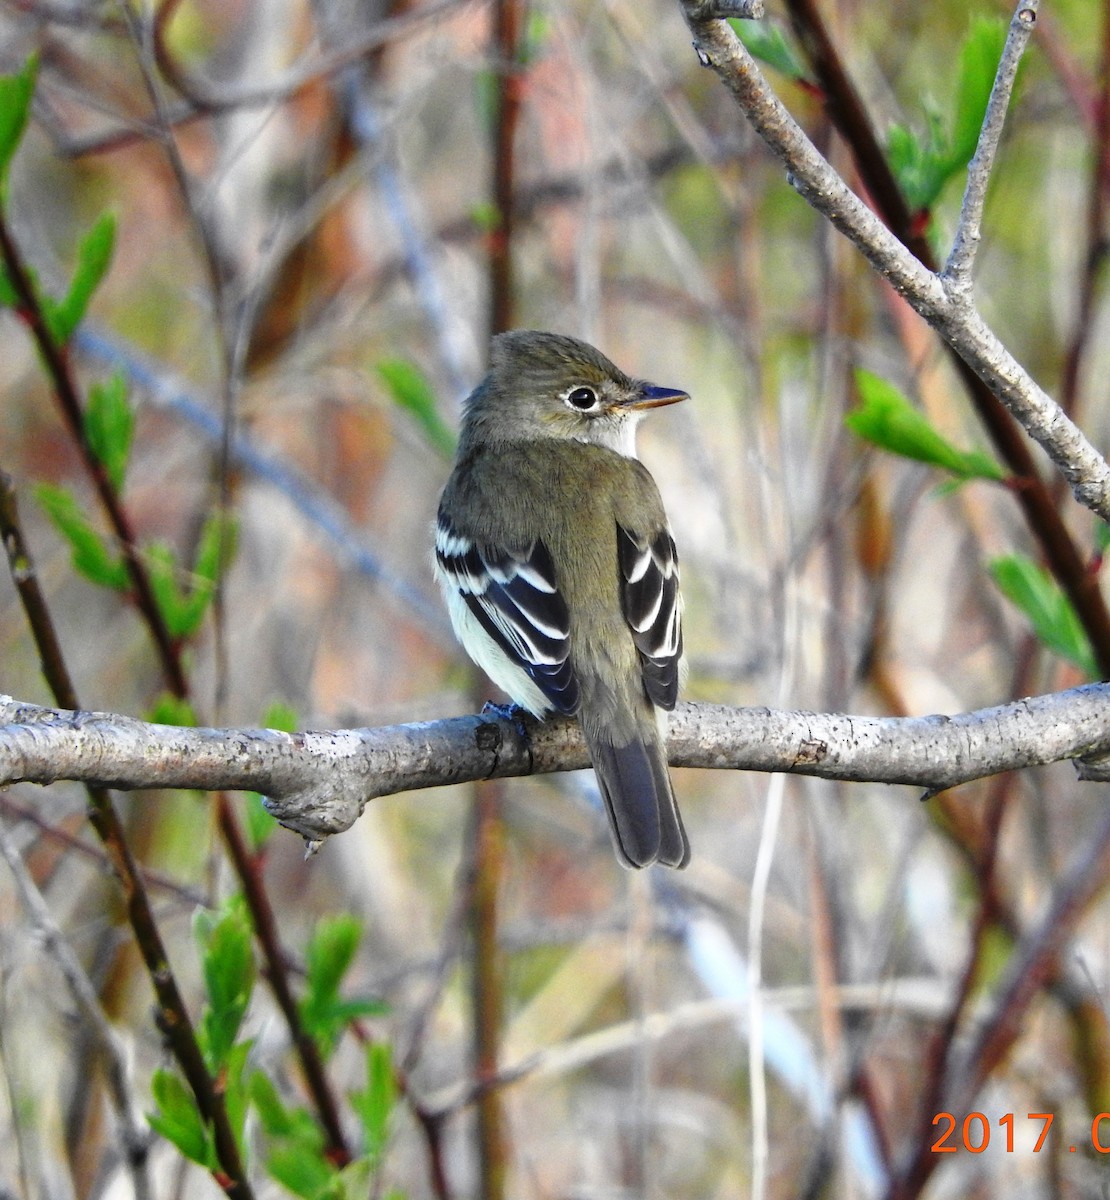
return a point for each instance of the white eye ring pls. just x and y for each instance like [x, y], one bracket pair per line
[582, 399]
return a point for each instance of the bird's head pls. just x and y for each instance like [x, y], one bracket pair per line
[547, 385]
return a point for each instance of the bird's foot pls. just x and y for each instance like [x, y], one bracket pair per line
[515, 715]
[508, 712]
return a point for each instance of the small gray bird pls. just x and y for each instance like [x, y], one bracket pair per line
[560, 572]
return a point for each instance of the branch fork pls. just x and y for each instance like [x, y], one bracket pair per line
[941, 299]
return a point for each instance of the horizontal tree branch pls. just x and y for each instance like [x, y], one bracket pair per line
[317, 783]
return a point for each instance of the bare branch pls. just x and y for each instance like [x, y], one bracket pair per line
[711, 10]
[135, 1137]
[957, 271]
[318, 782]
[950, 313]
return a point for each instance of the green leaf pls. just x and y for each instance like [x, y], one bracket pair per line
[109, 425]
[1033, 590]
[94, 254]
[91, 556]
[161, 569]
[259, 825]
[330, 952]
[235, 1080]
[996, 952]
[296, 1157]
[277, 1120]
[537, 32]
[15, 107]
[216, 546]
[300, 1170]
[888, 420]
[978, 64]
[411, 390]
[374, 1106]
[178, 1120]
[229, 973]
[766, 41]
[9, 297]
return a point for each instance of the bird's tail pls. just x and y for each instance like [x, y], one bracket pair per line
[637, 790]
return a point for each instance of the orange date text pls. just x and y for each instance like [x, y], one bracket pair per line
[974, 1132]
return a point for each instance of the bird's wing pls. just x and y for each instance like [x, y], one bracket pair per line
[653, 608]
[514, 597]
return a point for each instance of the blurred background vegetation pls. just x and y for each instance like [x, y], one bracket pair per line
[321, 212]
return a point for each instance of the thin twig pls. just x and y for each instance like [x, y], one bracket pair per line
[1097, 245]
[134, 1134]
[961, 261]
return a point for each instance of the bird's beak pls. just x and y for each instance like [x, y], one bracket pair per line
[652, 396]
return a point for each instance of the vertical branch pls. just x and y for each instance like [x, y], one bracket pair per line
[487, 982]
[265, 923]
[173, 1017]
[1030, 969]
[150, 42]
[506, 40]
[488, 843]
[962, 258]
[1097, 240]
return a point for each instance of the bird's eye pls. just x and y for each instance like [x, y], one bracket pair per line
[582, 398]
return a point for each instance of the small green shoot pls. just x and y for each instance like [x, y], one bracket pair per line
[172, 710]
[91, 555]
[94, 256]
[227, 956]
[328, 958]
[374, 1106]
[923, 164]
[486, 216]
[109, 427]
[183, 608]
